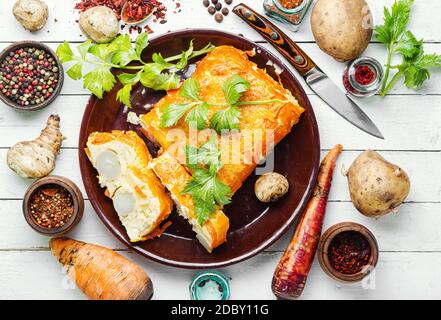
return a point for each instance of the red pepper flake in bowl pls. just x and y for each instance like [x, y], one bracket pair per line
[349, 252]
[363, 77]
[117, 5]
[51, 206]
[137, 10]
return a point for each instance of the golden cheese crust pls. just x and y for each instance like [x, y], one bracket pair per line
[211, 72]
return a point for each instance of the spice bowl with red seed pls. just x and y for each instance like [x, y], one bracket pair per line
[53, 206]
[348, 252]
[363, 77]
[31, 76]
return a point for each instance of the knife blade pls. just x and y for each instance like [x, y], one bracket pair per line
[316, 79]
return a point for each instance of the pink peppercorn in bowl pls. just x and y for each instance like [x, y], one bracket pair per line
[31, 76]
[53, 206]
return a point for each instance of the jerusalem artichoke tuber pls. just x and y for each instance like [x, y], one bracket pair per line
[101, 273]
[36, 159]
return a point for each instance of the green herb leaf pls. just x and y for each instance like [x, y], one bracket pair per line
[207, 190]
[408, 45]
[129, 78]
[157, 58]
[395, 22]
[142, 41]
[83, 48]
[190, 89]
[199, 116]
[150, 74]
[76, 71]
[99, 81]
[227, 119]
[173, 113]
[64, 52]
[185, 57]
[166, 81]
[208, 154]
[234, 87]
[124, 95]
[430, 61]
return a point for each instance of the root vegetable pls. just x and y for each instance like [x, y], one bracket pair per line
[342, 28]
[101, 273]
[99, 23]
[292, 271]
[36, 159]
[377, 187]
[271, 187]
[32, 14]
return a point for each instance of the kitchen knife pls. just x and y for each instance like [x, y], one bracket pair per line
[317, 80]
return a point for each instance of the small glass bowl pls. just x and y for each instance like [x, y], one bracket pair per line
[294, 16]
[357, 89]
[200, 281]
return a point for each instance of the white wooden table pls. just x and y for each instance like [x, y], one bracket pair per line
[410, 241]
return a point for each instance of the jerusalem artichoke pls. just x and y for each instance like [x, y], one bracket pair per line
[101, 273]
[36, 159]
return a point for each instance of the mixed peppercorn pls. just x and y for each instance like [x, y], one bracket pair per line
[51, 206]
[215, 6]
[28, 76]
[349, 252]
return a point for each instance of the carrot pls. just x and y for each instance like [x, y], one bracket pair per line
[292, 271]
[101, 273]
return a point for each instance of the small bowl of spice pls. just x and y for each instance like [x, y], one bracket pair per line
[362, 77]
[348, 252]
[31, 75]
[53, 206]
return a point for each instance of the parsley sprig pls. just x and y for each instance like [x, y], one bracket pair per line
[196, 110]
[415, 63]
[206, 189]
[160, 74]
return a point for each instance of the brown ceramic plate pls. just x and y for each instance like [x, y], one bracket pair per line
[253, 225]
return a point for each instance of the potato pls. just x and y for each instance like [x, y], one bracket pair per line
[32, 14]
[99, 23]
[376, 186]
[271, 187]
[342, 28]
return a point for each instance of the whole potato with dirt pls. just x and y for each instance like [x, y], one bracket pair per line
[342, 28]
[377, 186]
[99, 23]
[32, 14]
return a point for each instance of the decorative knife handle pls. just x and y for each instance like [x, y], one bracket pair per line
[288, 48]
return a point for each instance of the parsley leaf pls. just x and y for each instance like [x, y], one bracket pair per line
[64, 52]
[408, 45]
[190, 89]
[199, 116]
[120, 54]
[227, 119]
[206, 189]
[99, 81]
[173, 113]
[234, 87]
[142, 41]
[76, 71]
[415, 64]
[123, 94]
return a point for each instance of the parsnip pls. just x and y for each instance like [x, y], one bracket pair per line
[36, 159]
[101, 273]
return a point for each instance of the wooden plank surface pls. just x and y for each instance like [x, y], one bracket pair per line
[409, 241]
